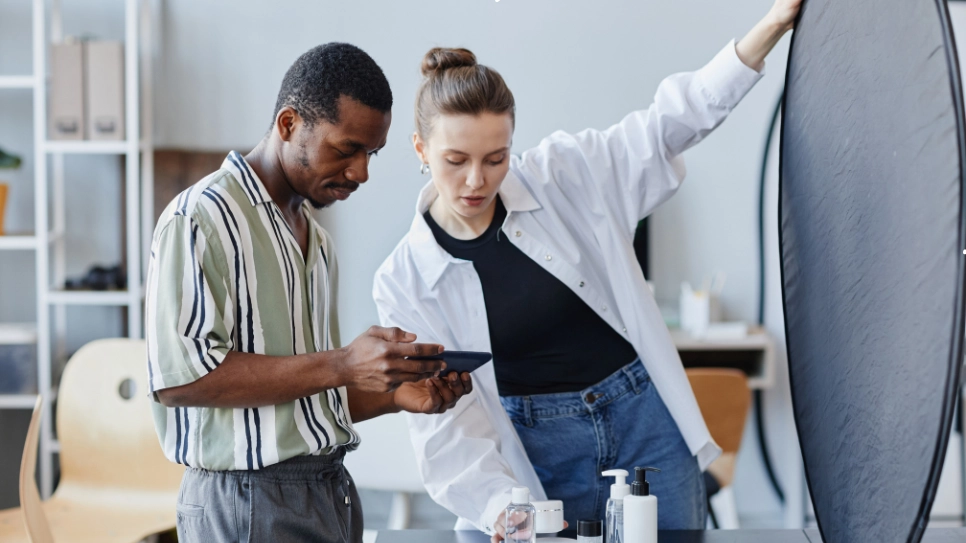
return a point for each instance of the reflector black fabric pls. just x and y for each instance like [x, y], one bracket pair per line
[871, 234]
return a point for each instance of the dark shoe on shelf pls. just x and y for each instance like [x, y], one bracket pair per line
[99, 278]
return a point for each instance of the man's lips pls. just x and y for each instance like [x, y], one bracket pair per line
[343, 191]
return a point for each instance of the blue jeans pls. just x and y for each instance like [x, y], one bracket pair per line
[618, 423]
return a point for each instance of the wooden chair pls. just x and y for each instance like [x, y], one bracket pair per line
[34, 519]
[17, 523]
[116, 486]
[724, 399]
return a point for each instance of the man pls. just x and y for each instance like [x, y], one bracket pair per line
[254, 396]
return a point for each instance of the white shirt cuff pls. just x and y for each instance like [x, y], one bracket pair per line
[707, 454]
[726, 79]
[496, 505]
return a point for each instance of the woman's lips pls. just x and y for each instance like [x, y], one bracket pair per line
[473, 201]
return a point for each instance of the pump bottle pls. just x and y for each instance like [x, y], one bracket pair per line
[640, 510]
[614, 523]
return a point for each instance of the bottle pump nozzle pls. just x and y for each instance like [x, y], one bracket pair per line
[640, 486]
[620, 488]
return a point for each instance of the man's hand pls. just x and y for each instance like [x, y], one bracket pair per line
[432, 396]
[376, 360]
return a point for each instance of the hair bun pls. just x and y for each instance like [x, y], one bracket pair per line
[439, 59]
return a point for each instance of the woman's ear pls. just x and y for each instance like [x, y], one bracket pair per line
[420, 147]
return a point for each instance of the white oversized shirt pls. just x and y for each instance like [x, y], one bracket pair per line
[573, 204]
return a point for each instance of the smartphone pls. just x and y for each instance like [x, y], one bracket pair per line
[458, 361]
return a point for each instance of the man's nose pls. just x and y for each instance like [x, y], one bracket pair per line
[358, 171]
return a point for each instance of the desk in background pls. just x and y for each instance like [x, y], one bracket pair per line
[753, 354]
[939, 535]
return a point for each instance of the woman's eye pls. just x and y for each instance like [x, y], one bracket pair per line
[455, 163]
[496, 162]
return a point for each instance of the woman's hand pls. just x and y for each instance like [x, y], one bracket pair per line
[755, 46]
[499, 527]
[784, 13]
[433, 396]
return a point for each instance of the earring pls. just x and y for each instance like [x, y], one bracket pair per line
[424, 169]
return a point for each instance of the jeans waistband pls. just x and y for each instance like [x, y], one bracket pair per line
[631, 378]
[298, 468]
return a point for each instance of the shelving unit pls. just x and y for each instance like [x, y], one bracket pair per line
[16, 82]
[48, 241]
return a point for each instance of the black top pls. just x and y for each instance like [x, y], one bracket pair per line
[545, 339]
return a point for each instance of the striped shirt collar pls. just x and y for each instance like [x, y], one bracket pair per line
[243, 172]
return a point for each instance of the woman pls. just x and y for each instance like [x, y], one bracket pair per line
[531, 258]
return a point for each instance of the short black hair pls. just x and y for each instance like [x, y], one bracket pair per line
[314, 83]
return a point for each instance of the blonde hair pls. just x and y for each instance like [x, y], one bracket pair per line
[453, 83]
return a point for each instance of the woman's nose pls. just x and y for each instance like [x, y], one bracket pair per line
[475, 179]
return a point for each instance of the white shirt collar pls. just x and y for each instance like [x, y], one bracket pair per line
[431, 260]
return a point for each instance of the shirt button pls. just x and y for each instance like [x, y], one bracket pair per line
[548, 257]
[518, 233]
[625, 330]
[603, 308]
[581, 284]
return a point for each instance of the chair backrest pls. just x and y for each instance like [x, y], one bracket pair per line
[107, 439]
[724, 398]
[385, 460]
[31, 508]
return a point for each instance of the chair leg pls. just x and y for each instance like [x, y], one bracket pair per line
[725, 508]
[400, 513]
[712, 518]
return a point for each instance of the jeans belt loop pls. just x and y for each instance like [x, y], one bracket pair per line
[527, 411]
[630, 376]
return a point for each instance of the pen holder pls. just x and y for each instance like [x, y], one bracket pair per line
[698, 309]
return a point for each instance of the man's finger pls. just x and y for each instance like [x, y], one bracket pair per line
[429, 368]
[392, 334]
[447, 393]
[417, 349]
[434, 396]
[455, 384]
[467, 382]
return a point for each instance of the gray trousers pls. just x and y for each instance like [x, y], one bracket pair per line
[308, 498]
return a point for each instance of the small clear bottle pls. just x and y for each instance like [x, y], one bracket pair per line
[520, 517]
[614, 521]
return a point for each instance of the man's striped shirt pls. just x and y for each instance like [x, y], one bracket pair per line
[227, 274]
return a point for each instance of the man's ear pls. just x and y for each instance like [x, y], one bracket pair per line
[286, 122]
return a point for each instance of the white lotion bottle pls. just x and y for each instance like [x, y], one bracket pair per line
[614, 523]
[640, 510]
[521, 517]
